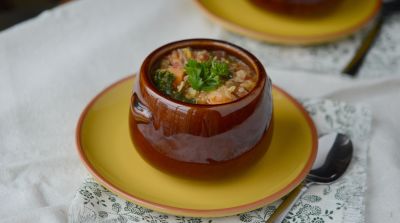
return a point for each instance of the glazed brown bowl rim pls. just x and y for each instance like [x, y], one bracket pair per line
[149, 61]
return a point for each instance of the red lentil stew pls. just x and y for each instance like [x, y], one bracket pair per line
[203, 76]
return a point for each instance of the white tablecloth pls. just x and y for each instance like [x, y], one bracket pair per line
[52, 65]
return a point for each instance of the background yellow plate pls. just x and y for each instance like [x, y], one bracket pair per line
[104, 146]
[245, 18]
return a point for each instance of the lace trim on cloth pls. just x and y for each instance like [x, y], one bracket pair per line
[342, 201]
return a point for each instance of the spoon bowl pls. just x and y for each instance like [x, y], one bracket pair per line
[337, 160]
[335, 152]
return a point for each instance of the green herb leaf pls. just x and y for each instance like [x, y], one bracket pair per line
[180, 97]
[163, 80]
[206, 75]
[194, 71]
[211, 84]
[219, 69]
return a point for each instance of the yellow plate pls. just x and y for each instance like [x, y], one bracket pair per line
[245, 18]
[105, 147]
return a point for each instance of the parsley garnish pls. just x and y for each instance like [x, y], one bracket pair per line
[207, 75]
[180, 97]
[164, 82]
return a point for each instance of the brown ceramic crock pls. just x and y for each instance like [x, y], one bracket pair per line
[197, 140]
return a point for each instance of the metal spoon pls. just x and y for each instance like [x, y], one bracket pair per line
[333, 158]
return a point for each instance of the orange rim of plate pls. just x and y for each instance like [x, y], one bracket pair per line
[196, 212]
[285, 39]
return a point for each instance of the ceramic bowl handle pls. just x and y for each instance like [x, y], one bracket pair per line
[140, 112]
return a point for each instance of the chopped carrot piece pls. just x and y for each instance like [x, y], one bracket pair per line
[178, 73]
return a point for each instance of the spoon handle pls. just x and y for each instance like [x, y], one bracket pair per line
[357, 61]
[283, 209]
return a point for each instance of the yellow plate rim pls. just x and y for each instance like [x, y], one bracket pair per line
[286, 39]
[186, 211]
